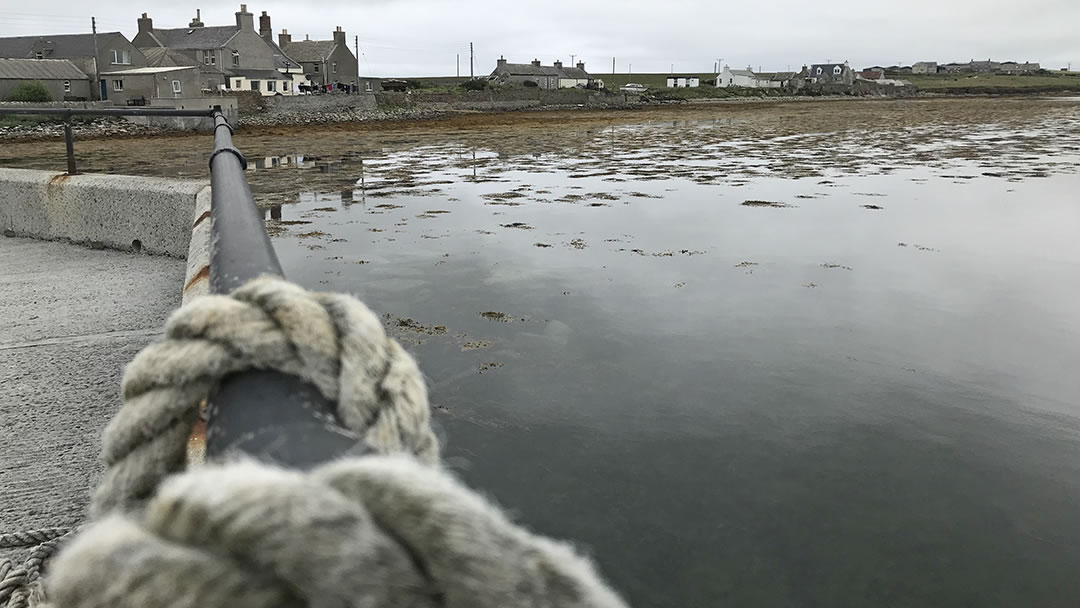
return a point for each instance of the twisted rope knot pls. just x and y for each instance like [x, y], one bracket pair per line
[330, 340]
[389, 530]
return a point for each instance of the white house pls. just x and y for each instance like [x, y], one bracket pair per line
[683, 82]
[737, 78]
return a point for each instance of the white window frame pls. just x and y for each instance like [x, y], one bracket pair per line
[118, 85]
[177, 88]
[836, 71]
[271, 86]
[121, 57]
[239, 84]
[316, 68]
[333, 67]
[67, 86]
[818, 72]
[368, 87]
[209, 57]
[236, 58]
[39, 55]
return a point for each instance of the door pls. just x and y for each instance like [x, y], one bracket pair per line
[104, 91]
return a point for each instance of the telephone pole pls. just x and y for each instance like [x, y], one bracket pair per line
[458, 63]
[97, 73]
[572, 58]
[613, 67]
[471, 62]
[356, 81]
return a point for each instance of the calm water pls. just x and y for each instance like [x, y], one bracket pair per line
[817, 404]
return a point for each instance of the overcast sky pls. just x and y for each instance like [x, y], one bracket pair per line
[423, 37]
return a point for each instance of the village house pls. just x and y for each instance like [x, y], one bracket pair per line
[1012, 67]
[830, 73]
[872, 74]
[756, 80]
[324, 62]
[228, 56]
[114, 52]
[924, 67]
[545, 77]
[61, 77]
[139, 86]
[683, 82]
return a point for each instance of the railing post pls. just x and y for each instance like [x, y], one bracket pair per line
[69, 141]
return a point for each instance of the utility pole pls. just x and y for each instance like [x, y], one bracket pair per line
[97, 73]
[472, 59]
[613, 67]
[458, 63]
[356, 81]
[572, 58]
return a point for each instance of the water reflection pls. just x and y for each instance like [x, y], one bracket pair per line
[855, 398]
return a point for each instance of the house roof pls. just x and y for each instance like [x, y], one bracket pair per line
[776, 75]
[281, 60]
[746, 73]
[61, 45]
[253, 74]
[528, 69]
[194, 38]
[310, 50]
[150, 70]
[40, 69]
[165, 57]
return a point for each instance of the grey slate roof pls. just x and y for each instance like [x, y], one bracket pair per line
[260, 74]
[165, 57]
[281, 60]
[528, 69]
[40, 69]
[194, 38]
[310, 50]
[62, 45]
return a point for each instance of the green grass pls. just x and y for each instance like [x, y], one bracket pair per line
[931, 82]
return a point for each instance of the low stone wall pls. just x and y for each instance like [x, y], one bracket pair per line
[143, 214]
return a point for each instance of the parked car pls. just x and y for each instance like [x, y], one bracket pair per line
[633, 87]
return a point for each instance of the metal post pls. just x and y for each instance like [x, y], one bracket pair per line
[95, 91]
[272, 416]
[69, 141]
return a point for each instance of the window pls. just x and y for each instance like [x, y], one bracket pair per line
[209, 58]
[236, 58]
[118, 85]
[239, 83]
[333, 67]
[176, 87]
[271, 85]
[67, 86]
[836, 70]
[818, 71]
[39, 55]
[316, 68]
[367, 86]
[120, 57]
[254, 85]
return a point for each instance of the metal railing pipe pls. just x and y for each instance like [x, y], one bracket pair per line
[266, 414]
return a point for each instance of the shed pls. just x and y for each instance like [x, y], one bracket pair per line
[60, 77]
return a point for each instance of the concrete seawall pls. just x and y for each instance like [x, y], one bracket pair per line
[129, 213]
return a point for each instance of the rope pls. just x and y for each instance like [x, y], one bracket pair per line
[18, 586]
[388, 530]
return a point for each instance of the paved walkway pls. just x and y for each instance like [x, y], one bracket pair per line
[70, 320]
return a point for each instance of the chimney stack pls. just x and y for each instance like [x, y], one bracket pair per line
[536, 63]
[558, 64]
[339, 36]
[265, 30]
[284, 38]
[581, 65]
[145, 23]
[244, 19]
[501, 62]
[197, 21]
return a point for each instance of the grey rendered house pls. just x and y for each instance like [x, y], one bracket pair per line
[60, 76]
[831, 73]
[226, 54]
[114, 52]
[323, 61]
[138, 86]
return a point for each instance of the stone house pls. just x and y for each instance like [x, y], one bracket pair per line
[872, 74]
[61, 77]
[737, 78]
[924, 67]
[139, 86]
[830, 73]
[219, 51]
[114, 52]
[323, 62]
[1012, 67]
[554, 76]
